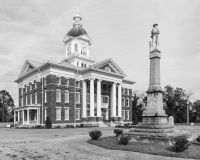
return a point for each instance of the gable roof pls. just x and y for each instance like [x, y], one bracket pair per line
[100, 66]
[29, 66]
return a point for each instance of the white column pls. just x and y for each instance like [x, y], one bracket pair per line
[119, 100]
[14, 117]
[23, 116]
[37, 116]
[84, 110]
[92, 97]
[113, 107]
[99, 98]
[18, 118]
[27, 116]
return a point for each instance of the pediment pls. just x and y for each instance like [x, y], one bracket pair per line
[108, 66]
[28, 67]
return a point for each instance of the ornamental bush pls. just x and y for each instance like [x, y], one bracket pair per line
[198, 138]
[124, 139]
[48, 123]
[180, 144]
[118, 132]
[95, 134]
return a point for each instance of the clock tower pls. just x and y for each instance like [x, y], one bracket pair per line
[77, 44]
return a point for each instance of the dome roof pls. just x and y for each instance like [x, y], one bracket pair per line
[76, 31]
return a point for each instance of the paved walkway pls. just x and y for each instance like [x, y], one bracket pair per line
[59, 144]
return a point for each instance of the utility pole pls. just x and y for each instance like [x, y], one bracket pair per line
[188, 111]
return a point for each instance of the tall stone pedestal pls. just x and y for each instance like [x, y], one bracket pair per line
[155, 126]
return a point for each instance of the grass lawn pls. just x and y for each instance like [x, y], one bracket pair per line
[149, 148]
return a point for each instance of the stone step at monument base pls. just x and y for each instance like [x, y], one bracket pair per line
[167, 130]
[161, 138]
[154, 126]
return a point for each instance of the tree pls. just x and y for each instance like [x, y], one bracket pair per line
[175, 101]
[138, 107]
[48, 123]
[196, 110]
[6, 106]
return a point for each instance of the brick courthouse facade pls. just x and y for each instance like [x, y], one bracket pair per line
[101, 93]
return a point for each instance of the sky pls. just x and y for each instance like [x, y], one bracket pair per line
[119, 30]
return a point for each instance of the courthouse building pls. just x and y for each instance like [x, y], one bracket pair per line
[74, 90]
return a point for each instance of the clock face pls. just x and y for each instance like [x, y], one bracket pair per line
[84, 47]
[69, 47]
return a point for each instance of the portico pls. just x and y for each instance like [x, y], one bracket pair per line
[101, 100]
[28, 115]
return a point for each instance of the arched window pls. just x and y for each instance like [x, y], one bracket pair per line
[76, 48]
[66, 96]
[45, 95]
[58, 95]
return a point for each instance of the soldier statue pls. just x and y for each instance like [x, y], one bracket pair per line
[154, 35]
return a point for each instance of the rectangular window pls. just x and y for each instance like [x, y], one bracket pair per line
[77, 114]
[45, 114]
[22, 103]
[66, 113]
[58, 113]
[127, 114]
[123, 101]
[66, 96]
[123, 90]
[58, 81]
[58, 95]
[81, 64]
[45, 82]
[77, 84]
[77, 63]
[77, 97]
[95, 98]
[30, 87]
[123, 113]
[84, 65]
[35, 97]
[127, 102]
[30, 98]
[35, 85]
[127, 91]
[45, 96]
[88, 98]
[26, 100]
[67, 82]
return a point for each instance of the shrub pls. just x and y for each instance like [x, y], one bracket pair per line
[124, 139]
[180, 144]
[68, 126]
[48, 123]
[81, 125]
[95, 134]
[57, 126]
[198, 138]
[38, 126]
[118, 132]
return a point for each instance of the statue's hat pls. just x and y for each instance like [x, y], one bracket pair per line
[155, 25]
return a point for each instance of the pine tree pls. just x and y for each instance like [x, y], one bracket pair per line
[48, 123]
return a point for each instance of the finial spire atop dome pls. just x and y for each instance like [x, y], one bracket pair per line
[77, 18]
[77, 9]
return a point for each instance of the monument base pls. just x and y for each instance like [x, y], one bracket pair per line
[155, 129]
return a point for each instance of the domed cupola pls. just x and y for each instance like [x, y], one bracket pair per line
[77, 29]
[77, 44]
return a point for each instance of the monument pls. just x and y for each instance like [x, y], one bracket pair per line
[155, 126]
